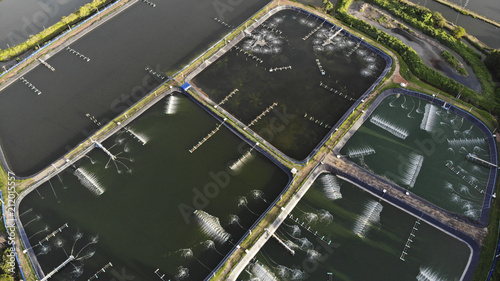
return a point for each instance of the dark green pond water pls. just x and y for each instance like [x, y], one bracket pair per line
[367, 238]
[431, 160]
[144, 219]
[293, 72]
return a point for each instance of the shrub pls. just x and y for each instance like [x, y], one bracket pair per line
[53, 30]
[458, 32]
[493, 63]
[439, 20]
[412, 59]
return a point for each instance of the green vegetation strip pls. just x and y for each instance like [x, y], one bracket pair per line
[298, 182]
[7, 271]
[49, 33]
[488, 249]
[343, 129]
[424, 20]
[4, 266]
[453, 62]
[418, 17]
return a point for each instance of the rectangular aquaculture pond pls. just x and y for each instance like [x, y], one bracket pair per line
[341, 232]
[307, 70]
[44, 113]
[435, 151]
[145, 204]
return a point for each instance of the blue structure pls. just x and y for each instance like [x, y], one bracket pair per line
[185, 86]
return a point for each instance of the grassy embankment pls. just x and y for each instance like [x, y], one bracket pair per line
[48, 33]
[416, 18]
[489, 246]
[453, 62]
[129, 113]
[6, 268]
[468, 12]
[295, 185]
[486, 100]
[273, 213]
[424, 20]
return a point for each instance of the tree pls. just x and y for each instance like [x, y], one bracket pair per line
[492, 62]
[458, 32]
[5, 268]
[427, 18]
[439, 20]
[328, 5]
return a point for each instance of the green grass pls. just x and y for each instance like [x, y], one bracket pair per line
[3, 188]
[36, 40]
[490, 244]
[453, 62]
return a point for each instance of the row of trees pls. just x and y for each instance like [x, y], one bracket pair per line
[493, 63]
[52, 31]
[328, 6]
[6, 266]
[418, 17]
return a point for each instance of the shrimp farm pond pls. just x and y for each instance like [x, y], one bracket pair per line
[202, 202]
[340, 230]
[430, 151]
[310, 69]
[173, 194]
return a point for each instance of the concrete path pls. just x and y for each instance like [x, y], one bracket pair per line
[285, 211]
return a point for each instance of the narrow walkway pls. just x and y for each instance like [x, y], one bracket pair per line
[60, 165]
[350, 168]
[330, 160]
[309, 173]
[269, 231]
[67, 39]
[284, 244]
[474, 157]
